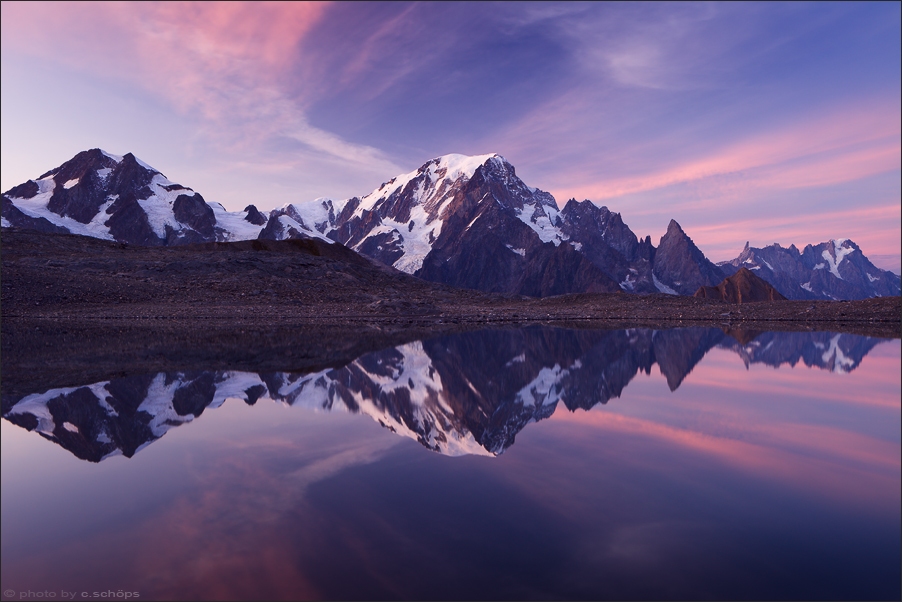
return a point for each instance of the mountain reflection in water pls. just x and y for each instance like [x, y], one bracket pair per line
[462, 394]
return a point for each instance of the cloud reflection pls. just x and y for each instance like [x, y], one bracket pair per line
[679, 491]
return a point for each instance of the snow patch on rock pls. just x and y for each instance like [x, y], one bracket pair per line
[541, 219]
[663, 287]
[840, 252]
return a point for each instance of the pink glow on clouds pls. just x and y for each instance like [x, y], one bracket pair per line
[225, 62]
[166, 47]
[858, 223]
[713, 186]
[238, 81]
[828, 149]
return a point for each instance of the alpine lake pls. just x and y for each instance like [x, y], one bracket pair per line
[531, 463]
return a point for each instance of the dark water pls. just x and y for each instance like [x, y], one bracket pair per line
[537, 463]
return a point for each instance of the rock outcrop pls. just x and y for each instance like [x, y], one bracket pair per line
[742, 287]
[680, 265]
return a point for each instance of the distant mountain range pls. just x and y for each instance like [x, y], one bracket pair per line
[836, 269]
[461, 394]
[464, 221]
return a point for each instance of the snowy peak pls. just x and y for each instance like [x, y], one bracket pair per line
[836, 269]
[97, 159]
[466, 221]
[120, 197]
[835, 253]
[430, 186]
[410, 217]
[411, 211]
[438, 181]
[444, 170]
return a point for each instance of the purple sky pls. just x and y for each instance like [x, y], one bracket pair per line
[759, 122]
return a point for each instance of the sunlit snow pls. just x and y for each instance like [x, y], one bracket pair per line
[158, 206]
[840, 252]
[540, 219]
[116, 158]
[234, 225]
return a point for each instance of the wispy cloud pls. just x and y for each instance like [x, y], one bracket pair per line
[224, 64]
[828, 149]
[865, 225]
[715, 181]
[696, 112]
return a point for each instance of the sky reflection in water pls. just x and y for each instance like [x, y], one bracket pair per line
[743, 482]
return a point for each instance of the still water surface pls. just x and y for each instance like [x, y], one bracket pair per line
[535, 463]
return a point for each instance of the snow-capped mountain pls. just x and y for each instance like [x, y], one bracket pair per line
[401, 222]
[124, 199]
[836, 269]
[471, 222]
[464, 221]
[462, 394]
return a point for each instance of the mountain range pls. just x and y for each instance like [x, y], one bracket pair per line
[468, 393]
[464, 221]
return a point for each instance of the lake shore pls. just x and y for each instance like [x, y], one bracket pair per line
[75, 305]
[74, 278]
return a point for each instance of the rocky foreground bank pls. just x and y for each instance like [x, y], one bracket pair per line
[73, 278]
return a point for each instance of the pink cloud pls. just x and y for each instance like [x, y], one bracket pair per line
[831, 148]
[164, 45]
[225, 64]
[714, 188]
[870, 227]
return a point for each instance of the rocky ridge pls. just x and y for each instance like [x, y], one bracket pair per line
[468, 222]
[836, 269]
